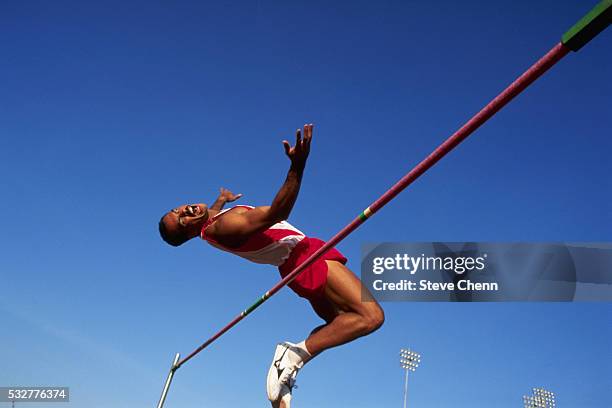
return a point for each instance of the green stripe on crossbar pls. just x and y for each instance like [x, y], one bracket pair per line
[367, 213]
[589, 26]
[255, 305]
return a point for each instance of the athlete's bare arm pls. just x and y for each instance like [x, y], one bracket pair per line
[235, 227]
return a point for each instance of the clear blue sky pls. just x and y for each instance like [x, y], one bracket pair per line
[113, 112]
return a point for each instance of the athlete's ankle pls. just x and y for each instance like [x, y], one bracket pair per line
[297, 355]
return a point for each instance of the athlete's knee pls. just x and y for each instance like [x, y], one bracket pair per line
[374, 317]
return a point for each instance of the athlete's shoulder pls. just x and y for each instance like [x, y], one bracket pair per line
[240, 209]
[236, 210]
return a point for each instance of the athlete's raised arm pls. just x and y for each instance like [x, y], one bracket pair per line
[225, 196]
[236, 226]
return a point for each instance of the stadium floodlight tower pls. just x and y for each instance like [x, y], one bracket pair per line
[409, 360]
[540, 398]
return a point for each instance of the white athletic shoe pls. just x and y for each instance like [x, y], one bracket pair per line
[286, 363]
[272, 384]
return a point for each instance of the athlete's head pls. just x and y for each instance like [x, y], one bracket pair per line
[183, 223]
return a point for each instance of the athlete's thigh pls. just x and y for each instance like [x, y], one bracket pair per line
[324, 308]
[345, 290]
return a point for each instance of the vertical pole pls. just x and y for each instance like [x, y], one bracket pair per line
[162, 399]
[406, 389]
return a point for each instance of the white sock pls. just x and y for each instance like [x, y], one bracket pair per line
[303, 357]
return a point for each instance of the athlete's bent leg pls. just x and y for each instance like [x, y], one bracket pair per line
[347, 317]
[355, 316]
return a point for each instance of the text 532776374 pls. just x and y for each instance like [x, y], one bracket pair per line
[34, 394]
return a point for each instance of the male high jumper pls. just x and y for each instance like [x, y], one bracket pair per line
[262, 235]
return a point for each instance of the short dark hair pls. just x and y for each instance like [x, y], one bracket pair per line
[175, 238]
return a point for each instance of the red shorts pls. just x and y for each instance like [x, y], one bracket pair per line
[310, 283]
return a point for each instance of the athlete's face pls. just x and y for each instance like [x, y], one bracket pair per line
[186, 221]
[188, 215]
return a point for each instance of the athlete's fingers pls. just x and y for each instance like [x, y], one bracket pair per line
[306, 130]
[309, 138]
[298, 137]
[287, 147]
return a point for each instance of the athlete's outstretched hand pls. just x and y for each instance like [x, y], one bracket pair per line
[299, 153]
[228, 196]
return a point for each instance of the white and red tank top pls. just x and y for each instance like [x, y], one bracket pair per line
[272, 246]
